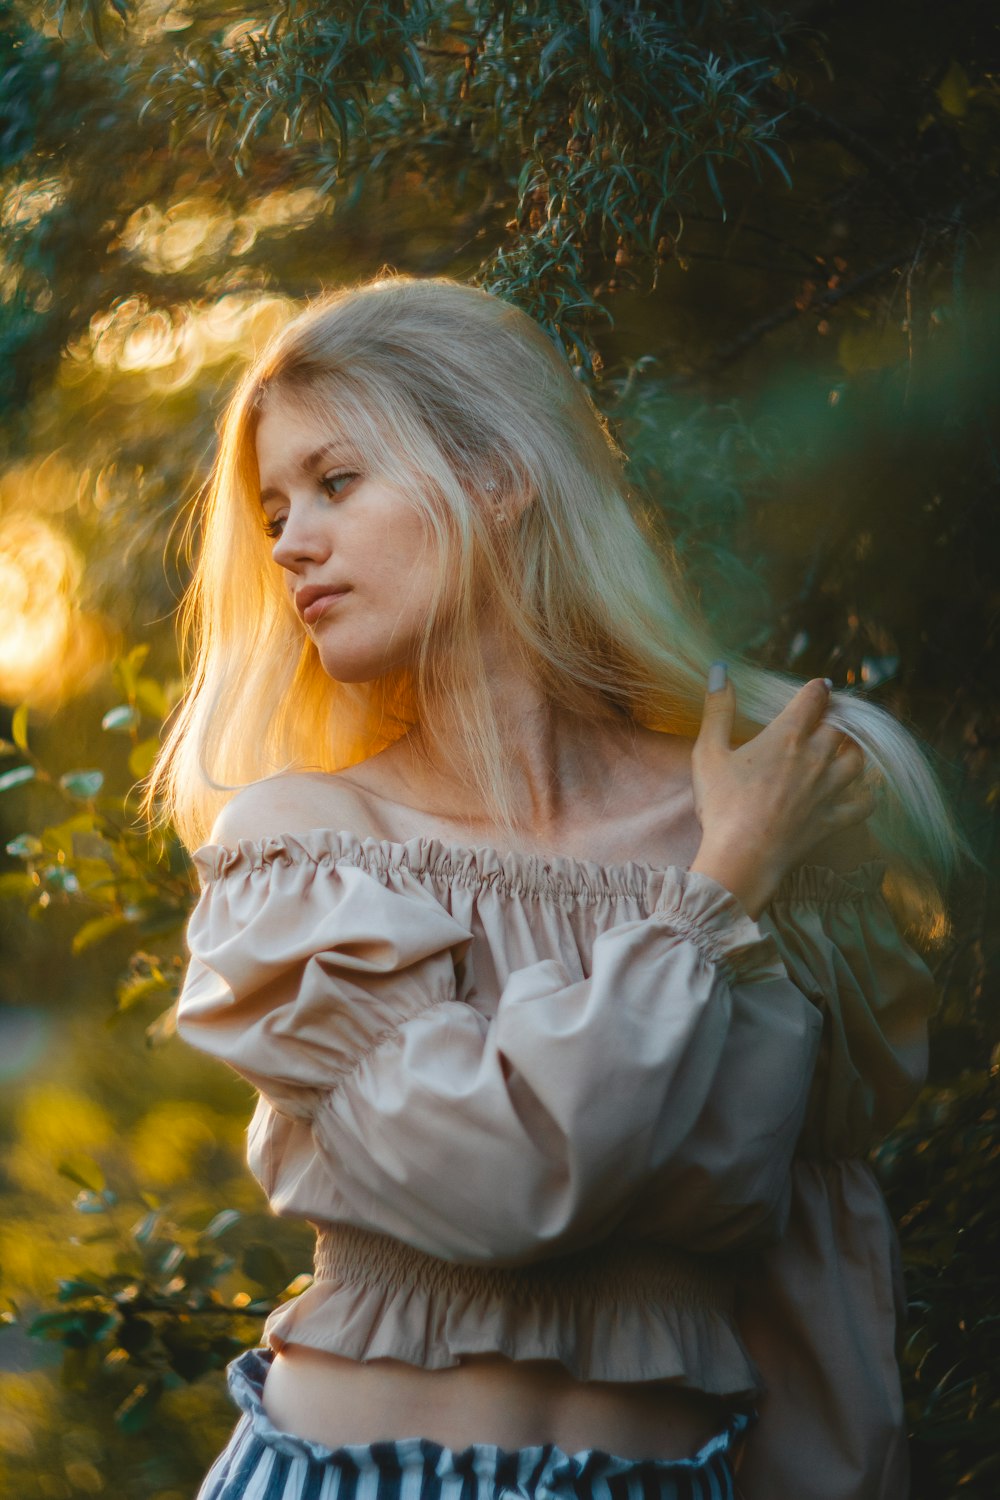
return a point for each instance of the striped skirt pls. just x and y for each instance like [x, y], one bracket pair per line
[260, 1462]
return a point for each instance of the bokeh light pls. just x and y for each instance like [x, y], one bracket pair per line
[48, 646]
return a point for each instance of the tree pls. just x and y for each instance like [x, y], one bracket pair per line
[766, 239]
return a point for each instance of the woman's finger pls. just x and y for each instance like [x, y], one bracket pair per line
[826, 738]
[845, 766]
[719, 713]
[804, 711]
[831, 740]
[850, 810]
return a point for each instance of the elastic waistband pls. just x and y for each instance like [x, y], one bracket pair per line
[627, 1271]
[546, 1463]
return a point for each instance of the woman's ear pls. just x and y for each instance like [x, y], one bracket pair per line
[505, 503]
[495, 503]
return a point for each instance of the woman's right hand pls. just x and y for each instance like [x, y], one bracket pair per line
[764, 805]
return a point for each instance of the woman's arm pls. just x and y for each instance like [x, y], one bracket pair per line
[499, 1140]
[874, 993]
[532, 1133]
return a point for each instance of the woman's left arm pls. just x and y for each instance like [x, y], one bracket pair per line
[842, 947]
[821, 1310]
[839, 937]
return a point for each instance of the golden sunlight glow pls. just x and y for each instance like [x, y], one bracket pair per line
[47, 647]
[171, 348]
[27, 203]
[203, 229]
[45, 486]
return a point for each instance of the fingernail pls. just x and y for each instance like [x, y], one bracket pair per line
[716, 676]
[829, 684]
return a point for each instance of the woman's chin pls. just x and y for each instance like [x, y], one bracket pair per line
[354, 667]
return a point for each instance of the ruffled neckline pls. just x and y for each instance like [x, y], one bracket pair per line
[513, 872]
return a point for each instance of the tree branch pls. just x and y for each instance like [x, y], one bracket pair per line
[729, 353]
[886, 171]
[959, 216]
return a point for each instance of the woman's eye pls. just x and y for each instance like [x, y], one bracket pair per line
[333, 484]
[329, 481]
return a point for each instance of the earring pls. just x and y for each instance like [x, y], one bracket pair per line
[496, 501]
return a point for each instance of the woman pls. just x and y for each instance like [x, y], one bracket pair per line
[571, 1022]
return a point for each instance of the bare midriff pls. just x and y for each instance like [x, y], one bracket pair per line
[486, 1399]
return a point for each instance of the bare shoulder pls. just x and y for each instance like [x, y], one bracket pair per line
[292, 802]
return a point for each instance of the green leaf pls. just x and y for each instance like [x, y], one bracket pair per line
[58, 837]
[953, 91]
[19, 727]
[52, 1325]
[134, 991]
[595, 19]
[98, 928]
[773, 155]
[17, 777]
[147, 1226]
[84, 1171]
[555, 43]
[88, 845]
[127, 669]
[143, 755]
[69, 1288]
[91, 1325]
[152, 698]
[92, 10]
[121, 719]
[82, 784]
[25, 846]
[222, 1221]
[713, 183]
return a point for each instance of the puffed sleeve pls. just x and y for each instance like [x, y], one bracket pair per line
[842, 946]
[480, 1139]
[299, 970]
[821, 1310]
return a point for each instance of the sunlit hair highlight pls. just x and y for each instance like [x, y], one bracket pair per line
[461, 400]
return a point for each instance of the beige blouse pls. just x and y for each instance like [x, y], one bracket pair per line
[554, 1109]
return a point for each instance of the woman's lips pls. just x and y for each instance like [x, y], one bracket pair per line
[320, 605]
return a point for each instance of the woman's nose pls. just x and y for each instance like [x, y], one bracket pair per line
[302, 539]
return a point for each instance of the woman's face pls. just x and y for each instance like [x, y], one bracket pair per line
[357, 556]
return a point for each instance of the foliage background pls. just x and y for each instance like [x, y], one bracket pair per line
[767, 239]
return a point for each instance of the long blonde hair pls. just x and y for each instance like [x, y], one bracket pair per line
[457, 396]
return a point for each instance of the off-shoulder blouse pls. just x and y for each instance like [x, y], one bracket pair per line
[590, 1113]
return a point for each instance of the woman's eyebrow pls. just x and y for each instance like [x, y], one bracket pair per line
[306, 466]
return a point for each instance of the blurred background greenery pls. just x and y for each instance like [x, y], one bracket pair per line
[767, 239]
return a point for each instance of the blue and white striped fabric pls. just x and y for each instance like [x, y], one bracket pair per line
[260, 1462]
